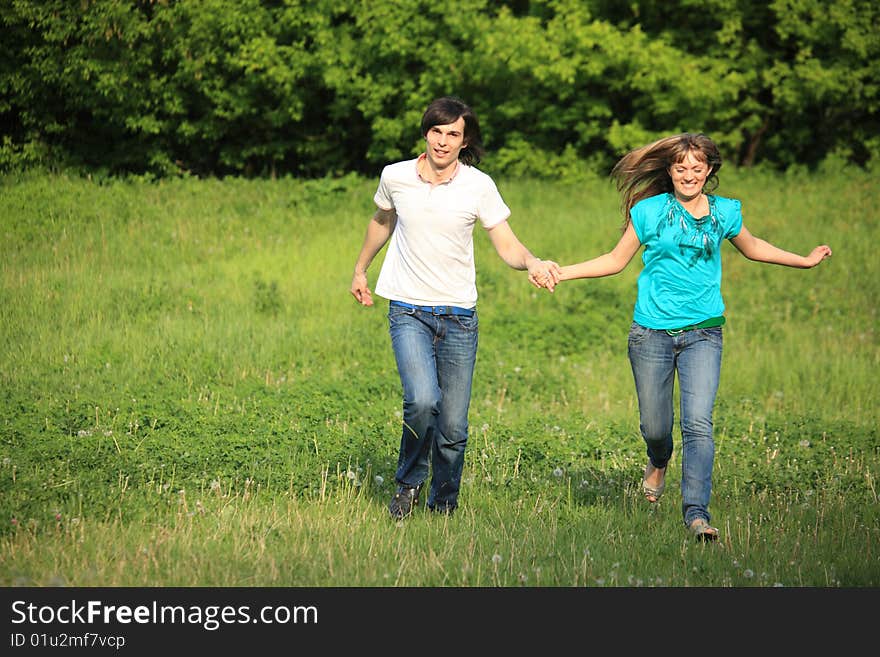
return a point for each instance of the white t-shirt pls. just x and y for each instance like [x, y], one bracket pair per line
[430, 257]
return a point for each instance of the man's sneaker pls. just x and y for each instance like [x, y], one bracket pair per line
[404, 501]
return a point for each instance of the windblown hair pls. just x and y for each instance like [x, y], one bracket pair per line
[644, 172]
[448, 109]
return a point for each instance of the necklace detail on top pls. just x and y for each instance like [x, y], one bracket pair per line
[695, 236]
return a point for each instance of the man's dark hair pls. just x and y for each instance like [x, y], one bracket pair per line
[448, 109]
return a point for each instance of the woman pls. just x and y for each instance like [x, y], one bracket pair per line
[679, 311]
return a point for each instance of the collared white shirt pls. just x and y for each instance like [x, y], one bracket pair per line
[430, 257]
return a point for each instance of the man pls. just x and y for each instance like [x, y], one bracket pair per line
[428, 208]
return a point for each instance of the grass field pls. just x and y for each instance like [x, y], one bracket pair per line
[190, 396]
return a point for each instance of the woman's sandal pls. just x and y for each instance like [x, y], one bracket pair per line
[703, 531]
[652, 493]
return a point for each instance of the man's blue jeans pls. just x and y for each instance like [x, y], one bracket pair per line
[435, 358]
[655, 357]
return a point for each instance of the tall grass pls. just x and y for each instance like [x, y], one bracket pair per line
[190, 397]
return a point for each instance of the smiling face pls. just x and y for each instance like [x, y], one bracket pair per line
[444, 143]
[689, 176]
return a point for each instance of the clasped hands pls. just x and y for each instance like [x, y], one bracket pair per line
[544, 273]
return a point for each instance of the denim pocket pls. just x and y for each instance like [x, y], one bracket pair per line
[399, 311]
[467, 323]
[712, 334]
[637, 333]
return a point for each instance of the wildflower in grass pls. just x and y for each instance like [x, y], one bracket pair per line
[523, 578]
[484, 428]
[379, 480]
[58, 516]
[496, 558]
[557, 472]
[517, 369]
[600, 581]
[108, 433]
[778, 585]
[74, 521]
[14, 521]
[7, 461]
[215, 485]
[748, 573]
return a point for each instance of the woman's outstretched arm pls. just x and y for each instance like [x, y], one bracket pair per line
[607, 264]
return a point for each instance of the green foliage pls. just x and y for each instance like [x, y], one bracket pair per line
[323, 88]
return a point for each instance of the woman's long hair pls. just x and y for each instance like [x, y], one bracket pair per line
[644, 172]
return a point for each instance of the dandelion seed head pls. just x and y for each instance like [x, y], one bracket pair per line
[557, 472]
[517, 369]
[7, 461]
[748, 573]
[600, 581]
[350, 474]
[496, 558]
[215, 485]
[804, 443]
[379, 479]
[778, 585]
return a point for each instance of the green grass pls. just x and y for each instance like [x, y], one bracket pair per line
[190, 397]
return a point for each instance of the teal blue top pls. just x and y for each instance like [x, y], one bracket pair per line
[680, 284]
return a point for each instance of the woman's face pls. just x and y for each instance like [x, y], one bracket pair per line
[689, 176]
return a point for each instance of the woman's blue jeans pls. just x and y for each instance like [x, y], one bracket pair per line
[435, 358]
[655, 357]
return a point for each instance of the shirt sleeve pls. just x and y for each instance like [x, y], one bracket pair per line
[492, 209]
[734, 220]
[637, 217]
[382, 197]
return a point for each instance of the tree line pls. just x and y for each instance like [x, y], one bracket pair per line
[317, 88]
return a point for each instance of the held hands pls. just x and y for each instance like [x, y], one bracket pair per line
[359, 289]
[817, 255]
[544, 273]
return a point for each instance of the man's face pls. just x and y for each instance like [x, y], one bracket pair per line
[444, 143]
